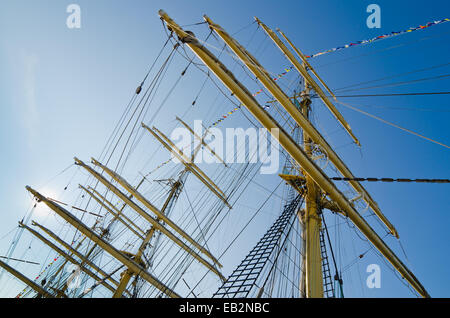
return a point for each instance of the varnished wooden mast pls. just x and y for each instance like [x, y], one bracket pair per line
[294, 150]
[121, 257]
[148, 217]
[39, 289]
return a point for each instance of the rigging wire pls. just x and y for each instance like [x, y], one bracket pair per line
[338, 276]
[146, 77]
[274, 263]
[399, 83]
[392, 124]
[393, 76]
[137, 139]
[432, 110]
[239, 179]
[116, 130]
[390, 95]
[240, 232]
[19, 260]
[149, 90]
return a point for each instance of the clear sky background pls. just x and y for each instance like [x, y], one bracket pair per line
[62, 90]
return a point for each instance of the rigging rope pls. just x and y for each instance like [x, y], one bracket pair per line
[239, 234]
[436, 110]
[392, 124]
[399, 83]
[287, 70]
[19, 260]
[338, 276]
[337, 49]
[392, 94]
[393, 76]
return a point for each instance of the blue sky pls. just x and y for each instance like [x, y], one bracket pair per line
[63, 90]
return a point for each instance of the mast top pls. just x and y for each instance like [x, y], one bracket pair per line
[303, 71]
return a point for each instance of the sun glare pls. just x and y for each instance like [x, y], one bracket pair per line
[41, 209]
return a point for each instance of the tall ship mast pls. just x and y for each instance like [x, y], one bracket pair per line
[167, 231]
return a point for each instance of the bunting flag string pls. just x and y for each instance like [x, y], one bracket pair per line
[384, 36]
[41, 273]
[363, 42]
[286, 70]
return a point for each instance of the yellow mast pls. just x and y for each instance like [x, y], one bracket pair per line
[201, 140]
[311, 221]
[66, 256]
[307, 66]
[313, 84]
[40, 290]
[60, 268]
[167, 143]
[330, 152]
[120, 256]
[301, 219]
[116, 215]
[84, 258]
[158, 213]
[191, 163]
[148, 217]
[295, 151]
[115, 209]
[75, 252]
[126, 276]
[264, 77]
